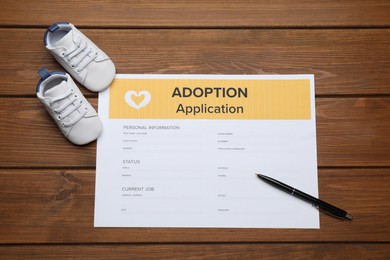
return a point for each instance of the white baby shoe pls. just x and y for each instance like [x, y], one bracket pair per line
[73, 114]
[79, 56]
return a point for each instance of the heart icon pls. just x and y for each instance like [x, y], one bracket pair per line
[133, 94]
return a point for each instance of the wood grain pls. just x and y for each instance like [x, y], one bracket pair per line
[200, 251]
[353, 131]
[344, 62]
[57, 206]
[350, 132]
[201, 13]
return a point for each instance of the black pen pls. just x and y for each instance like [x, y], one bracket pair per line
[321, 205]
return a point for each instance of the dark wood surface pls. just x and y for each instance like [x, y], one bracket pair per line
[201, 13]
[47, 185]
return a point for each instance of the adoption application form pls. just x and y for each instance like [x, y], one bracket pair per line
[183, 150]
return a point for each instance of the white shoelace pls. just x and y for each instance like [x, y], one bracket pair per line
[79, 48]
[73, 103]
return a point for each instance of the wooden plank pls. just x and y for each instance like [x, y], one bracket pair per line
[343, 61]
[200, 251]
[57, 206]
[350, 132]
[202, 13]
[353, 131]
[30, 138]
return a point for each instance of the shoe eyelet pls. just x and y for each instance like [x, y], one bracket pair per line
[63, 54]
[63, 124]
[75, 95]
[59, 117]
[72, 90]
[72, 66]
[78, 71]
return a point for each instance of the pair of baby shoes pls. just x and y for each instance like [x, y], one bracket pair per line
[57, 91]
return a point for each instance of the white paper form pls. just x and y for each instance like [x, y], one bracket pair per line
[183, 150]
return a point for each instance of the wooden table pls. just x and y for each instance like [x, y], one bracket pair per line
[47, 184]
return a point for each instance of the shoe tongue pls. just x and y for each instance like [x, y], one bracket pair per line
[56, 90]
[66, 41]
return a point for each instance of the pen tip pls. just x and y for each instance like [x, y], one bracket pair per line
[348, 217]
[258, 174]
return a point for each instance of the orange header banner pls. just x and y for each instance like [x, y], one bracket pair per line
[206, 98]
